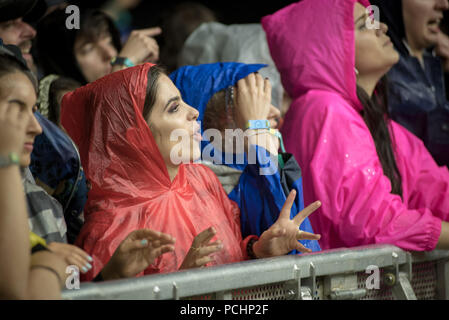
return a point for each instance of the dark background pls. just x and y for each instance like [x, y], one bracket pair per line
[149, 13]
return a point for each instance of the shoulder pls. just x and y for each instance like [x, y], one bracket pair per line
[201, 172]
[405, 142]
[203, 178]
[320, 105]
[319, 112]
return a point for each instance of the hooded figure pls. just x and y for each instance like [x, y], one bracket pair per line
[417, 96]
[131, 187]
[56, 165]
[215, 42]
[260, 196]
[325, 131]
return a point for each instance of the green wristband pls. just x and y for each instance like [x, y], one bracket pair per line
[11, 159]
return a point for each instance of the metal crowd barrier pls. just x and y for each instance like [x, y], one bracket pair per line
[369, 272]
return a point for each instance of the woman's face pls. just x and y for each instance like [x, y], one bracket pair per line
[17, 91]
[374, 51]
[172, 117]
[94, 58]
[421, 21]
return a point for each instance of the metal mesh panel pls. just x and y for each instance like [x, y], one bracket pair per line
[202, 297]
[276, 291]
[383, 293]
[424, 280]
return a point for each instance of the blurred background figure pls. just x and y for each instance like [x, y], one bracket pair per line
[246, 43]
[17, 24]
[417, 93]
[119, 11]
[177, 26]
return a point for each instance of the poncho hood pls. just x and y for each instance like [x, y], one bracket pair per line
[300, 51]
[131, 188]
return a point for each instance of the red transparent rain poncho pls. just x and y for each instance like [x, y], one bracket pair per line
[131, 188]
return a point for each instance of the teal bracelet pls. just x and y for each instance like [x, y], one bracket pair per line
[279, 135]
[123, 61]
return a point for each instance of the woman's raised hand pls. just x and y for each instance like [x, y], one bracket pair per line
[141, 46]
[282, 237]
[252, 99]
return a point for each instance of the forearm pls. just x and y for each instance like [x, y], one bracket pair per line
[42, 285]
[14, 234]
[443, 241]
[46, 276]
[262, 139]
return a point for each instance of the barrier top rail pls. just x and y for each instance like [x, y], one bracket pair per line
[246, 274]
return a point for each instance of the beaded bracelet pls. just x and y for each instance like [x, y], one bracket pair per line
[249, 248]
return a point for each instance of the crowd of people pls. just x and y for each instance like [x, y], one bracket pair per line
[231, 142]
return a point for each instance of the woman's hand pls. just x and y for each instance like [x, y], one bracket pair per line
[141, 46]
[201, 249]
[72, 255]
[252, 99]
[13, 122]
[134, 254]
[282, 237]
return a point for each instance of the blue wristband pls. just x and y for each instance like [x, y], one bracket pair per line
[258, 124]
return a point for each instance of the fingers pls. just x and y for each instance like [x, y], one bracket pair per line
[154, 253]
[205, 251]
[144, 238]
[204, 237]
[302, 235]
[250, 80]
[203, 261]
[153, 49]
[273, 116]
[259, 82]
[285, 212]
[73, 255]
[301, 248]
[306, 212]
[267, 88]
[201, 250]
[150, 32]
[150, 235]
[82, 264]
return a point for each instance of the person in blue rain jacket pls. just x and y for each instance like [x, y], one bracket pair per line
[213, 90]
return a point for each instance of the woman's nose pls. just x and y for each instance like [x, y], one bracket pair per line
[193, 113]
[28, 32]
[107, 51]
[34, 128]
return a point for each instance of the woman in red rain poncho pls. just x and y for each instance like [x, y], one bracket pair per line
[122, 124]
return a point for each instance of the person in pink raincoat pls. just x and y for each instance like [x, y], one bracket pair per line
[377, 182]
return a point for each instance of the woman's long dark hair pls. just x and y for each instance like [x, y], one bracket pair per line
[152, 89]
[375, 114]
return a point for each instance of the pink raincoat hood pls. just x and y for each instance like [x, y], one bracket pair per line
[313, 46]
[299, 51]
